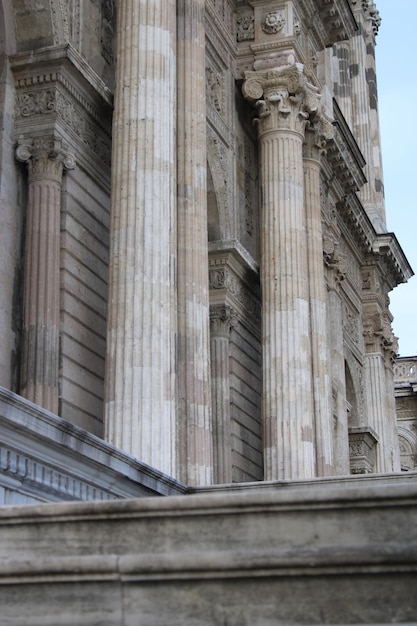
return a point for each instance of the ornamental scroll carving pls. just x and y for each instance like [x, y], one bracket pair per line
[245, 28]
[66, 109]
[222, 319]
[46, 157]
[223, 278]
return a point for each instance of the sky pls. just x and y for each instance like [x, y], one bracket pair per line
[396, 59]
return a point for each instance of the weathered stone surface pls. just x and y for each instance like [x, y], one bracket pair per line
[44, 458]
[307, 555]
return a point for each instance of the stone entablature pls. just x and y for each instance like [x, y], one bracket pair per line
[57, 92]
[280, 32]
[229, 267]
[44, 458]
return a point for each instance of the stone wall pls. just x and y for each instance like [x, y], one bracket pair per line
[84, 260]
[297, 555]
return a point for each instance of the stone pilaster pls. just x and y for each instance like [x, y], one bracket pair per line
[222, 319]
[365, 117]
[336, 270]
[46, 159]
[381, 347]
[284, 103]
[140, 394]
[195, 459]
[316, 137]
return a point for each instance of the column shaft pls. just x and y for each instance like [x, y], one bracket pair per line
[140, 379]
[318, 317]
[40, 361]
[194, 413]
[46, 159]
[381, 413]
[287, 387]
[222, 318]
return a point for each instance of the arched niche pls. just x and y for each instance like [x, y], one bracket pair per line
[408, 450]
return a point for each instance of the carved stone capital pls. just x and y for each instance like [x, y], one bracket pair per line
[317, 136]
[379, 336]
[373, 19]
[283, 98]
[222, 319]
[46, 157]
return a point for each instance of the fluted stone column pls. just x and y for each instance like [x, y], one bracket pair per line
[46, 160]
[222, 319]
[140, 403]
[315, 139]
[365, 116]
[195, 458]
[283, 102]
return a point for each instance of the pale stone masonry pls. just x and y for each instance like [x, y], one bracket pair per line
[140, 395]
[194, 313]
[188, 157]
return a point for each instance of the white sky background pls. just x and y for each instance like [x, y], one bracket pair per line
[396, 59]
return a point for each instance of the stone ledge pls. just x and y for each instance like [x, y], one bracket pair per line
[45, 458]
[311, 555]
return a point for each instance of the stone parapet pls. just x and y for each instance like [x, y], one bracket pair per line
[316, 555]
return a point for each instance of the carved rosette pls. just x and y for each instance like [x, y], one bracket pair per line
[283, 98]
[46, 158]
[273, 23]
[222, 319]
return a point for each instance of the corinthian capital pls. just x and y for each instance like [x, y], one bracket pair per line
[283, 97]
[317, 136]
[46, 157]
[222, 319]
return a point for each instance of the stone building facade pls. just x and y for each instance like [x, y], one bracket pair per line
[196, 261]
[194, 304]
[139, 291]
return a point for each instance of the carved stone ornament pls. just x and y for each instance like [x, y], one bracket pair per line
[273, 23]
[46, 157]
[245, 28]
[222, 319]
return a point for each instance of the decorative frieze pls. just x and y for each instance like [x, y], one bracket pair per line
[225, 279]
[215, 89]
[362, 444]
[56, 94]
